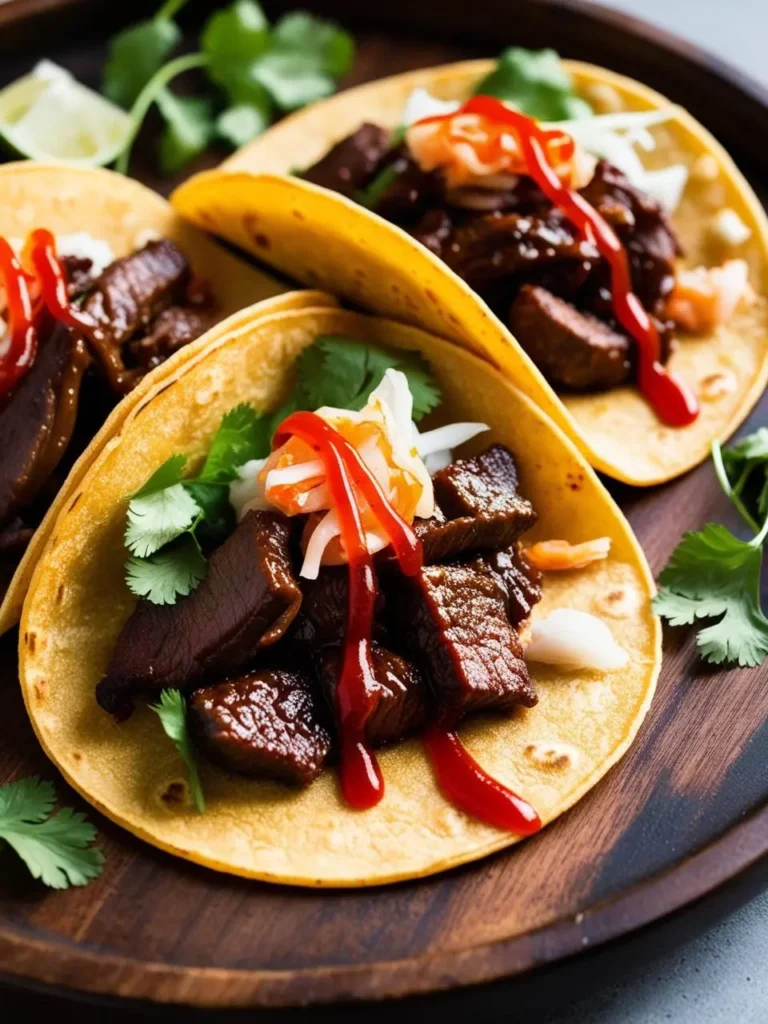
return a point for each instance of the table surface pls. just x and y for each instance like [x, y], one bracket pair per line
[721, 975]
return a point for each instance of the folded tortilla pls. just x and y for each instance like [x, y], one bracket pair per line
[126, 215]
[326, 240]
[78, 602]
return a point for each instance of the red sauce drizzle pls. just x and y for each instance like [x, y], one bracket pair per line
[668, 394]
[48, 274]
[469, 787]
[459, 776]
[361, 780]
[23, 337]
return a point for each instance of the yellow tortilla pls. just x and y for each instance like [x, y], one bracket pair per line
[328, 241]
[552, 754]
[124, 214]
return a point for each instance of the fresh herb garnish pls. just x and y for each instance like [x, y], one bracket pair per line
[370, 196]
[172, 712]
[536, 82]
[255, 70]
[169, 510]
[171, 519]
[713, 573]
[55, 847]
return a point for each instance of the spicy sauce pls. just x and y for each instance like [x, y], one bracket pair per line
[668, 394]
[459, 776]
[22, 343]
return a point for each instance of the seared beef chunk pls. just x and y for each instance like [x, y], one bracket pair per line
[133, 291]
[351, 162]
[489, 248]
[410, 192]
[477, 507]
[246, 602]
[323, 616]
[15, 537]
[453, 622]
[265, 723]
[401, 706]
[28, 417]
[79, 274]
[643, 227]
[518, 580]
[174, 328]
[434, 231]
[572, 349]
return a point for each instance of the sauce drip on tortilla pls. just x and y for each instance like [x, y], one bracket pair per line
[668, 394]
[472, 789]
[459, 776]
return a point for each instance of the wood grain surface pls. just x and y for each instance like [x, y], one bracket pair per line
[685, 810]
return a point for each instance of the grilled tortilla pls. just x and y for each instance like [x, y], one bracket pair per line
[327, 240]
[77, 604]
[125, 214]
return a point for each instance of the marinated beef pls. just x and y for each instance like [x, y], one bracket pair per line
[323, 616]
[513, 246]
[434, 231]
[28, 419]
[477, 507]
[518, 580]
[348, 166]
[267, 723]
[411, 190]
[134, 290]
[246, 602]
[174, 328]
[401, 699]
[453, 623]
[79, 274]
[15, 537]
[643, 227]
[572, 349]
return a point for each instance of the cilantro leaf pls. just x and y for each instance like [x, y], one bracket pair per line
[243, 122]
[172, 712]
[304, 58]
[743, 472]
[243, 435]
[189, 128]
[167, 575]
[135, 55]
[325, 42]
[342, 372]
[171, 472]
[713, 574]
[56, 849]
[536, 82]
[232, 39]
[158, 518]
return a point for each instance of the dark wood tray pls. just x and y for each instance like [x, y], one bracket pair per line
[685, 811]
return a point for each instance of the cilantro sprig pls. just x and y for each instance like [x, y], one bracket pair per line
[536, 82]
[55, 847]
[173, 518]
[171, 709]
[254, 72]
[713, 574]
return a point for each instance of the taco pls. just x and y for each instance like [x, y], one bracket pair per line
[382, 648]
[612, 262]
[137, 285]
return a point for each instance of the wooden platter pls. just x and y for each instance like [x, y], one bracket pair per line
[686, 810]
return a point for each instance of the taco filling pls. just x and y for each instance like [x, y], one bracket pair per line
[78, 329]
[333, 581]
[577, 256]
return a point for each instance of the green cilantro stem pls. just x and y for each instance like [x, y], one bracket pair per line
[169, 10]
[757, 541]
[733, 493]
[148, 95]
